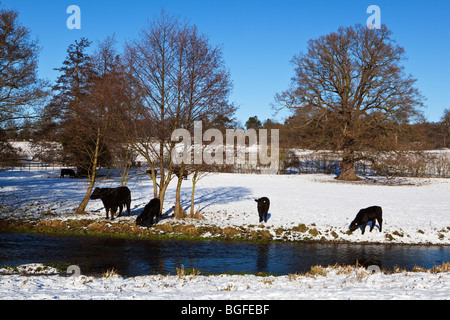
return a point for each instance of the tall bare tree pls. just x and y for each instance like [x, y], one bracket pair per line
[66, 108]
[349, 89]
[21, 91]
[106, 101]
[89, 95]
[180, 78]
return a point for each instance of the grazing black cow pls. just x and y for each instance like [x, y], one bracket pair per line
[366, 215]
[263, 208]
[151, 210]
[177, 172]
[112, 199]
[70, 172]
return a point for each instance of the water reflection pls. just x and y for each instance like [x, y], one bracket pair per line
[140, 257]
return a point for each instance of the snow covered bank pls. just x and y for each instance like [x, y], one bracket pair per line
[303, 207]
[320, 283]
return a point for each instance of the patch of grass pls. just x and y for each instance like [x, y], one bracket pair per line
[231, 232]
[109, 273]
[300, 228]
[397, 233]
[59, 266]
[389, 237]
[316, 271]
[334, 234]
[314, 232]
[444, 267]
[182, 272]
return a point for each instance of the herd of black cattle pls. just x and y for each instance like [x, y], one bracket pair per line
[117, 198]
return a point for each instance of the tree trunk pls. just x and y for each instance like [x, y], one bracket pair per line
[194, 182]
[162, 192]
[348, 166]
[179, 213]
[91, 176]
[155, 186]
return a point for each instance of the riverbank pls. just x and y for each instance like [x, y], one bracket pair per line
[306, 208]
[338, 282]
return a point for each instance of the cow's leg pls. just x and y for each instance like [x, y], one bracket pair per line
[364, 227]
[120, 210]
[113, 212]
[149, 221]
[380, 222]
[128, 208]
[107, 213]
[373, 225]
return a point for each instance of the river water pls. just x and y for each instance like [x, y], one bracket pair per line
[132, 257]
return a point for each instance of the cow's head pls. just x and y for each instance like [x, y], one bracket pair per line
[262, 201]
[97, 194]
[355, 224]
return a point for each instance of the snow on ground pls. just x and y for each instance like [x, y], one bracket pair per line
[415, 210]
[330, 283]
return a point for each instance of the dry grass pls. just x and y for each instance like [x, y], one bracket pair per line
[109, 273]
[360, 273]
[182, 272]
[444, 267]
[316, 271]
[197, 215]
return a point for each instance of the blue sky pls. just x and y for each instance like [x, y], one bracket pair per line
[259, 38]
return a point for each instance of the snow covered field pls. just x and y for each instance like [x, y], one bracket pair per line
[414, 211]
[303, 207]
[328, 283]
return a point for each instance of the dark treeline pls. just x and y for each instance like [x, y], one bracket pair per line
[420, 136]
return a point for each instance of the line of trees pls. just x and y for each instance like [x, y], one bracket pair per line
[350, 94]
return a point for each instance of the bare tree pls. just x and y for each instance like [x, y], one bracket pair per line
[21, 91]
[90, 94]
[107, 100]
[349, 89]
[180, 78]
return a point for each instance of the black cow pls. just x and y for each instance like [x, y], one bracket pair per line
[113, 198]
[366, 215]
[263, 208]
[151, 210]
[70, 172]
